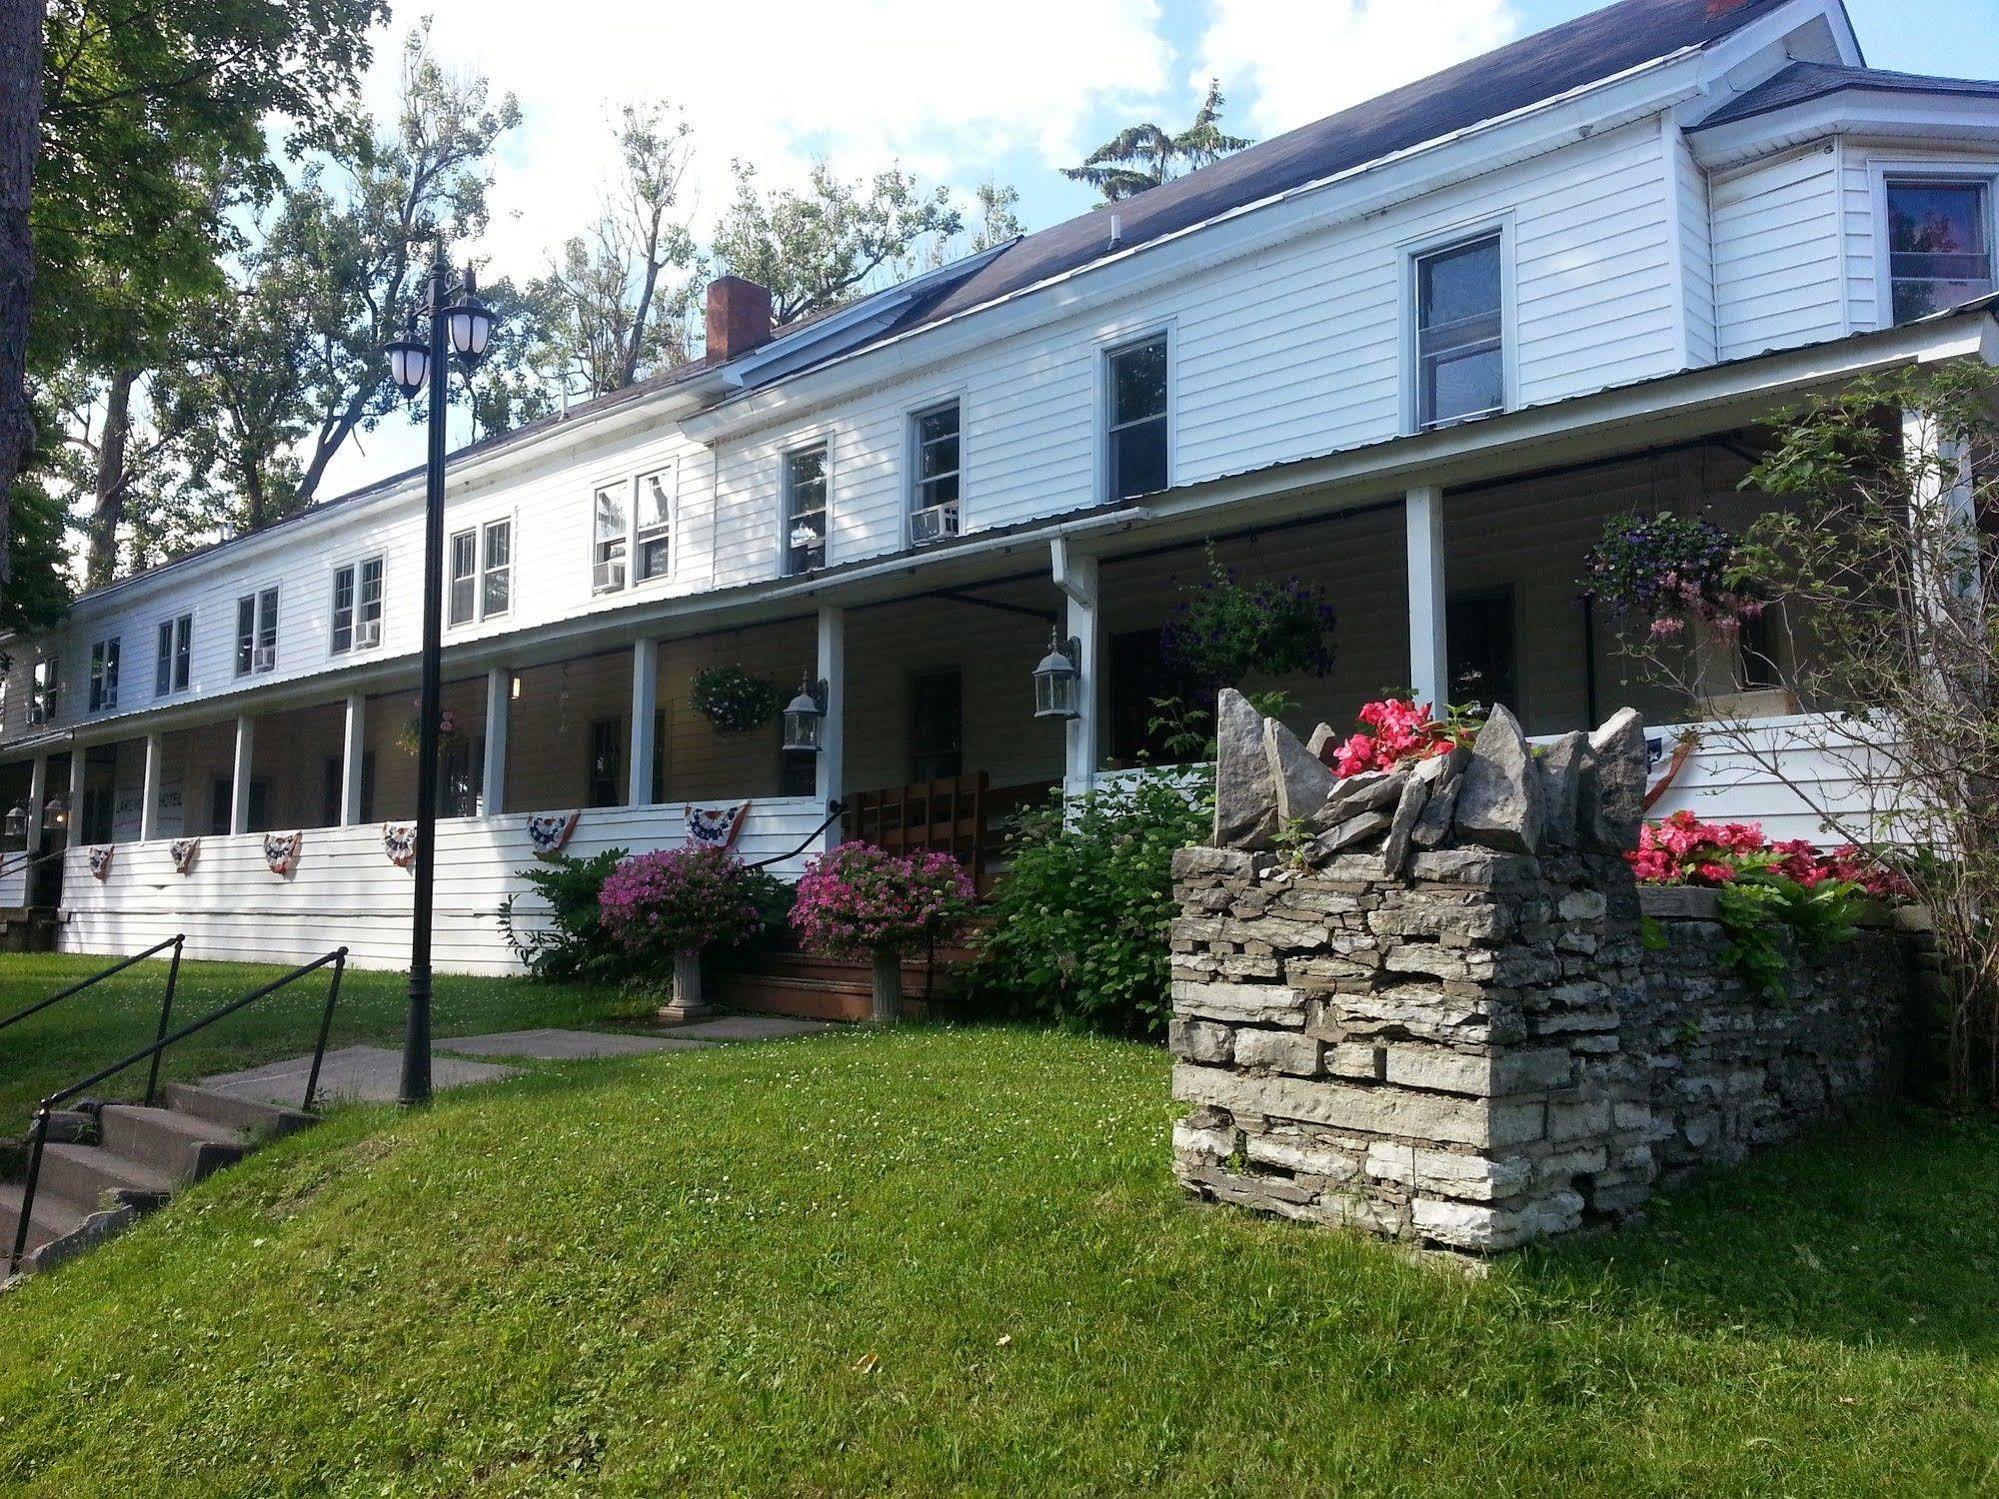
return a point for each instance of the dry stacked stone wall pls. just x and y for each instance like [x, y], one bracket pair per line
[1441, 1013]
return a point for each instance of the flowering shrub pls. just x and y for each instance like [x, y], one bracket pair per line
[1683, 850]
[679, 900]
[1402, 730]
[733, 699]
[1668, 569]
[409, 738]
[1223, 630]
[858, 900]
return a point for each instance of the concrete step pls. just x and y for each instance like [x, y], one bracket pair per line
[54, 1217]
[262, 1121]
[84, 1174]
[184, 1147]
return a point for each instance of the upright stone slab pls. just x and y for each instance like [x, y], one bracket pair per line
[1500, 803]
[1616, 779]
[1299, 778]
[1245, 794]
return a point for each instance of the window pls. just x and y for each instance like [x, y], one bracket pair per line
[45, 691]
[605, 786]
[257, 632]
[464, 581]
[218, 805]
[1939, 244]
[1137, 436]
[805, 510]
[653, 547]
[496, 587]
[936, 726]
[330, 785]
[1460, 358]
[1141, 677]
[104, 676]
[1479, 649]
[357, 606]
[463, 771]
[607, 570]
[175, 655]
[934, 489]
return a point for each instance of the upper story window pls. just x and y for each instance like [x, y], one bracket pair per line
[357, 607]
[45, 690]
[1137, 431]
[174, 657]
[934, 487]
[257, 632]
[1939, 243]
[1460, 341]
[463, 601]
[607, 556]
[481, 576]
[104, 675]
[653, 525]
[805, 509]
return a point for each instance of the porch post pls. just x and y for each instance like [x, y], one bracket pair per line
[149, 804]
[645, 700]
[1429, 661]
[78, 763]
[499, 701]
[1943, 521]
[1077, 577]
[38, 794]
[353, 756]
[830, 773]
[239, 775]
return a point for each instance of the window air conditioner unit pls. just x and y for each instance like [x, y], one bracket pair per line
[608, 575]
[367, 634]
[264, 658]
[934, 524]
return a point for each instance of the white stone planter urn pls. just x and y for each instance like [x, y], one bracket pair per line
[688, 1002]
[888, 987]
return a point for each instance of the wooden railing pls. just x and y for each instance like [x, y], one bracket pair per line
[946, 816]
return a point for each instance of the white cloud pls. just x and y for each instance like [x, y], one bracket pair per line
[1295, 61]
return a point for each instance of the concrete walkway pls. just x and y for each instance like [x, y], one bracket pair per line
[369, 1074]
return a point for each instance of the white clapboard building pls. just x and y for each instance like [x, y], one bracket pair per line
[1416, 352]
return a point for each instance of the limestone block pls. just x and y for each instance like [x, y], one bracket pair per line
[1200, 1040]
[1239, 1004]
[1402, 824]
[1476, 1177]
[1500, 804]
[1615, 783]
[1206, 863]
[1299, 778]
[1377, 1110]
[1245, 794]
[1278, 1051]
[1563, 765]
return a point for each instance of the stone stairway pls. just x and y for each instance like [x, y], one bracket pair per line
[105, 1164]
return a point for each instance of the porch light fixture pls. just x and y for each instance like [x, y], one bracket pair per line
[1057, 681]
[805, 717]
[55, 811]
[17, 820]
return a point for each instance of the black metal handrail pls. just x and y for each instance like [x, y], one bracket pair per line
[40, 1127]
[26, 864]
[166, 1001]
[835, 810]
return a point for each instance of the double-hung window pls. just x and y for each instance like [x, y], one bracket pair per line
[805, 509]
[1939, 243]
[480, 583]
[104, 675]
[257, 632]
[1460, 333]
[45, 690]
[653, 522]
[1137, 435]
[357, 606]
[933, 498]
[462, 605]
[610, 538]
[174, 656]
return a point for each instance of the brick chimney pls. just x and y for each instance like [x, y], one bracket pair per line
[738, 317]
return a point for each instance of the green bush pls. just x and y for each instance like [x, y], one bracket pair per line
[573, 943]
[1080, 919]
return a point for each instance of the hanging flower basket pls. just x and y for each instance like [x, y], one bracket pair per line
[733, 700]
[409, 738]
[1224, 630]
[1667, 571]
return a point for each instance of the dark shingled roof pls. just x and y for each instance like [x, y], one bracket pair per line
[1813, 80]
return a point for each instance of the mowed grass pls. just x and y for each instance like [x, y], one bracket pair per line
[76, 1036]
[955, 1261]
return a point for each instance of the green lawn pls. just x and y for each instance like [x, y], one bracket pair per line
[72, 1039]
[946, 1260]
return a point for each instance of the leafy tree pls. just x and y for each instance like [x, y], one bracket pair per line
[815, 248]
[998, 222]
[1144, 156]
[20, 135]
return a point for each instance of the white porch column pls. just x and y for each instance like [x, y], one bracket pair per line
[830, 774]
[1077, 577]
[79, 762]
[149, 795]
[239, 775]
[645, 701]
[1943, 519]
[38, 796]
[499, 700]
[353, 756]
[1429, 660]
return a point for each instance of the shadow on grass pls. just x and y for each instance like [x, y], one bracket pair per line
[1883, 1231]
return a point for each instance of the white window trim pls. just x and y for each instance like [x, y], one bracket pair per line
[1936, 169]
[627, 481]
[670, 466]
[476, 531]
[45, 699]
[803, 443]
[911, 456]
[1408, 254]
[354, 647]
[477, 528]
[257, 592]
[1102, 352]
[100, 655]
[168, 623]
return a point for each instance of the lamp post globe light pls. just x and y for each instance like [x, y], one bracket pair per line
[417, 365]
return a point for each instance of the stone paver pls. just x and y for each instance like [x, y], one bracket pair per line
[551, 1045]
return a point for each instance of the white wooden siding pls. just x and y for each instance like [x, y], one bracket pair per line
[1778, 278]
[1688, 184]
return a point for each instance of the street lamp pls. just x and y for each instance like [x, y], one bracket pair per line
[417, 364]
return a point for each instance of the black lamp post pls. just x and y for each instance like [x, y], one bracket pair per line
[466, 325]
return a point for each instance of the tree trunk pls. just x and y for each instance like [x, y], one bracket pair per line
[108, 506]
[20, 140]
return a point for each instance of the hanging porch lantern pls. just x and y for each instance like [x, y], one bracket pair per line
[17, 820]
[805, 717]
[1058, 681]
[55, 811]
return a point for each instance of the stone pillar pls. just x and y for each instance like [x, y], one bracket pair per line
[830, 775]
[1429, 660]
[499, 704]
[149, 805]
[239, 774]
[353, 756]
[645, 702]
[1078, 578]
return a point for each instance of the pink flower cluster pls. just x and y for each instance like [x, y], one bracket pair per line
[857, 900]
[1402, 731]
[1728, 612]
[676, 900]
[1683, 850]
